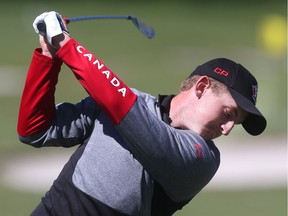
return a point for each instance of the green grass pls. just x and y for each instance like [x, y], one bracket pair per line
[16, 203]
[238, 203]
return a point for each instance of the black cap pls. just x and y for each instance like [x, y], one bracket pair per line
[242, 86]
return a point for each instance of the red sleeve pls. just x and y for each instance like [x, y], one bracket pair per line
[37, 107]
[107, 90]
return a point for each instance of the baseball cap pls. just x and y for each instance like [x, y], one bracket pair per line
[241, 84]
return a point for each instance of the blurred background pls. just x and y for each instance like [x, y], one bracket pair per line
[252, 178]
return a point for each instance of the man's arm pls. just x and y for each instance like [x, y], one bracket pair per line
[37, 107]
[40, 121]
[112, 95]
[179, 160]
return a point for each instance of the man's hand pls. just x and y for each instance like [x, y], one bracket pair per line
[52, 30]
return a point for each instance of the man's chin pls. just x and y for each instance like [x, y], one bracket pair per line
[209, 136]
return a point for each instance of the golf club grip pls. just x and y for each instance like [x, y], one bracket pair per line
[67, 20]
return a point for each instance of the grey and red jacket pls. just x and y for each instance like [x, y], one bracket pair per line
[130, 161]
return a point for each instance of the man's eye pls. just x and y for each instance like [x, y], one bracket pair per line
[227, 113]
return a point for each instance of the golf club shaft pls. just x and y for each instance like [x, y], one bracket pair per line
[71, 19]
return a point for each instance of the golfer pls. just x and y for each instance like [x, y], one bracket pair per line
[137, 155]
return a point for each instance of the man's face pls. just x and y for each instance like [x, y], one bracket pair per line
[216, 115]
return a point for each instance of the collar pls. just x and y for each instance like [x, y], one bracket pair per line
[164, 103]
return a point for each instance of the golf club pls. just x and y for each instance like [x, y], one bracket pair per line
[145, 29]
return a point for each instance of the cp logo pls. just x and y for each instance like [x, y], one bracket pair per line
[221, 72]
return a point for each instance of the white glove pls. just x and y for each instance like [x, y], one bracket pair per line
[49, 24]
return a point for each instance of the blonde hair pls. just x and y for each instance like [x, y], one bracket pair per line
[188, 83]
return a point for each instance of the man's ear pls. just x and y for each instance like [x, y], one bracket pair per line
[201, 85]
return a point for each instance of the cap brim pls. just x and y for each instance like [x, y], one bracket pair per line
[255, 123]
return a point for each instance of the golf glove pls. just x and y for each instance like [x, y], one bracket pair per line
[49, 25]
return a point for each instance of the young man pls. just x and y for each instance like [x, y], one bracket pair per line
[137, 155]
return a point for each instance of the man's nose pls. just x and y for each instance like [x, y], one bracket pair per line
[227, 127]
